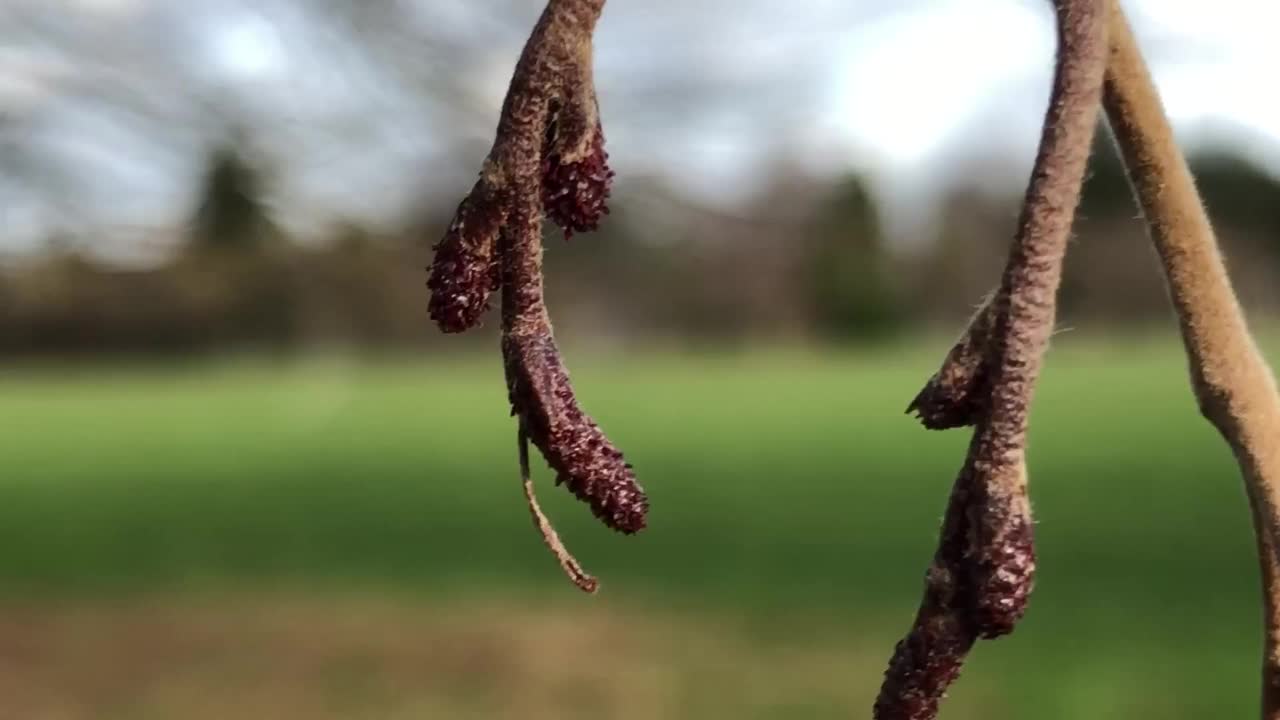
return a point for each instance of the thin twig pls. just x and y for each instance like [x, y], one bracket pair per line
[1233, 385]
[584, 580]
[983, 572]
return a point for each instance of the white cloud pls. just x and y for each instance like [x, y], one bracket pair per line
[904, 81]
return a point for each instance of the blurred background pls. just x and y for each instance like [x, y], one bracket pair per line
[244, 476]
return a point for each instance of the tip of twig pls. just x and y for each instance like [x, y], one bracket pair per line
[915, 403]
[585, 581]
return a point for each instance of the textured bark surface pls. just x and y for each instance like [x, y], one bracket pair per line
[983, 571]
[1233, 385]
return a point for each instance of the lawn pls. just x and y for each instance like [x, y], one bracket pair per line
[794, 511]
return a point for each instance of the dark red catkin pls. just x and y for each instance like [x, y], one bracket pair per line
[548, 158]
[983, 571]
[574, 446]
[464, 271]
[537, 381]
[576, 179]
[575, 191]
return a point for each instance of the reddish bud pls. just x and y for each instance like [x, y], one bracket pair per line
[464, 271]
[1006, 566]
[573, 445]
[978, 586]
[574, 193]
[957, 394]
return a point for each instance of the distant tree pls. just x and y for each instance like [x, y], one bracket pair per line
[233, 213]
[1234, 189]
[852, 290]
[1112, 277]
[1239, 193]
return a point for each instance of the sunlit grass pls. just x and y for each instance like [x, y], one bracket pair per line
[791, 497]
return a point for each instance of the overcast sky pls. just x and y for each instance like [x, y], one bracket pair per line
[360, 109]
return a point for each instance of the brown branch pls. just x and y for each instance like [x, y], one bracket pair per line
[547, 158]
[982, 574]
[1232, 383]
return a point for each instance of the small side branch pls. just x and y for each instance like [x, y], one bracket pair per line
[584, 580]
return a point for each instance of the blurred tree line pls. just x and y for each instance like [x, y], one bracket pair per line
[804, 260]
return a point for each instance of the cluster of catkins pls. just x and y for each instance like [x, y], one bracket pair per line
[548, 160]
[466, 269]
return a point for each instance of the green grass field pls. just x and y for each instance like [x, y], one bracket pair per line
[794, 511]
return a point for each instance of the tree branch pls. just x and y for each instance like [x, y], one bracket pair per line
[982, 574]
[1232, 383]
[548, 158]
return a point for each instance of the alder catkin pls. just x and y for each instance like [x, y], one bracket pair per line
[464, 271]
[574, 446]
[575, 191]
